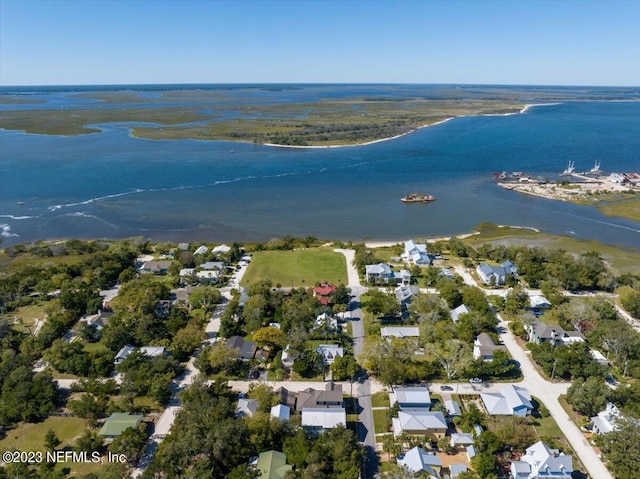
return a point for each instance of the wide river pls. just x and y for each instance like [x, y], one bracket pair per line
[111, 185]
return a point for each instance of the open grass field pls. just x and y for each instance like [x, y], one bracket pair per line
[624, 260]
[30, 437]
[298, 268]
[625, 209]
[27, 316]
[380, 399]
[380, 420]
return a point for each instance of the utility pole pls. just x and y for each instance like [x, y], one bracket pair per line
[553, 371]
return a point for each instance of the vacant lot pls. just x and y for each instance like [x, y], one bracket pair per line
[297, 268]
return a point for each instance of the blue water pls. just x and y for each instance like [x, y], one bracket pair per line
[111, 185]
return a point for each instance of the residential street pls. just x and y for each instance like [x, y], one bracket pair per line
[548, 392]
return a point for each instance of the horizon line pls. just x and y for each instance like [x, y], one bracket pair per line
[69, 85]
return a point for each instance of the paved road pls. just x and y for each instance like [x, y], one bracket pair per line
[548, 392]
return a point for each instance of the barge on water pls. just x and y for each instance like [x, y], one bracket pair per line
[417, 198]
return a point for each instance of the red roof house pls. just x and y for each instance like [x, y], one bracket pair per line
[323, 292]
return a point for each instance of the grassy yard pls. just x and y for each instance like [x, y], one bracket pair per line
[30, 437]
[298, 268]
[380, 399]
[380, 420]
[27, 316]
[625, 260]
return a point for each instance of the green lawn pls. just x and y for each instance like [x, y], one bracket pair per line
[380, 420]
[380, 399]
[298, 268]
[27, 316]
[30, 437]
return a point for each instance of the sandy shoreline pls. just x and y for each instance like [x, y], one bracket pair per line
[583, 191]
[522, 110]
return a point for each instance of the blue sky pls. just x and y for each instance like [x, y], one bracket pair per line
[571, 42]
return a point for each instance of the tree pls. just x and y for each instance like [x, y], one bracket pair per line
[589, 396]
[342, 295]
[450, 292]
[297, 448]
[87, 407]
[618, 447]
[485, 464]
[452, 355]
[132, 443]
[379, 303]
[344, 367]
[270, 336]
[51, 440]
[204, 297]
[630, 300]
[517, 299]
[265, 395]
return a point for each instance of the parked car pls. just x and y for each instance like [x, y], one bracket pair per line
[446, 388]
[254, 374]
[475, 381]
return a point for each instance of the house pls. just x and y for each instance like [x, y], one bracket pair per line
[330, 352]
[222, 249]
[453, 408]
[208, 276]
[288, 398]
[606, 420]
[541, 462]
[100, 320]
[272, 465]
[511, 401]
[540, 332]
[187, 273]
[456, 469]
[599, 357]
[115, 424]
[537, 301]
[326, 322]
[324, 293]
[421, 423]
[404, 294]
[201, 250]
[471, 452]
[125, 351]
[287, 357]
[455, 313]
[484, 347]
[496, 275]
[281, 412]
[319, 419]
[419, 460]
[246, 348]
[416, 254]
[331, 396]
[184, 246]
[461, 440]
[410, 397]
[477, 429]
[213, 266]
[155, 267]
[400, 331]
[378, 273]
[246, 407]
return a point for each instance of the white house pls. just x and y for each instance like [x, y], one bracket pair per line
[410, 397]
[246, 407]
[400, 331]
[125, 351]
[606, 420]
[223, 248]
[541, 462]
[419, 460]
[319, 419]
[382, 272]
[538, 301]
[281, 412]
[201, 250]
[416, 254]
[456, 312]
[330, 352]
[208, 276]
[421, 423]
[511, 401]
[496, 274]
